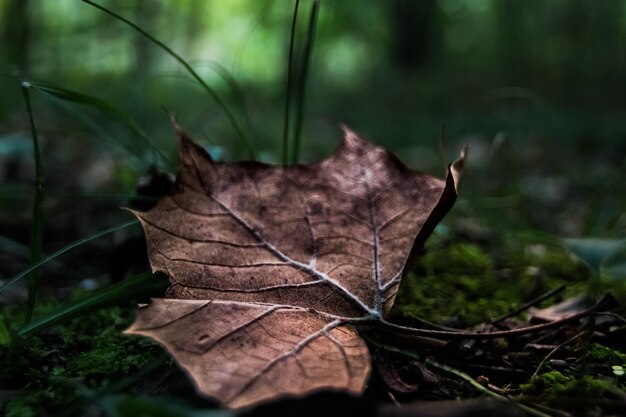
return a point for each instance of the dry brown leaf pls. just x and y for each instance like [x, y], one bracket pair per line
[271, 266]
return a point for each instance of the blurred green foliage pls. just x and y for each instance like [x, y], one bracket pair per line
[533, 87]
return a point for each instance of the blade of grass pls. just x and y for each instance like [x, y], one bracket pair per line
[288, 92]
[531, 411]
[38, 209]
[242, 136]
[102, 105]
[302, 79]
[36, 265]
[137, 284]
[22, 252]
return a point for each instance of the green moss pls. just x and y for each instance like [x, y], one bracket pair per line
[466, 284]
[54, 370]
[602, 354]
[110, 355]
[554, 383]
[457, 282]
[546, 383]
[460, 259]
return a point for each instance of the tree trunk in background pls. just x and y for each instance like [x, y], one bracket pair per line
[16, 34]
[514, 42]
[411, 29]
[144, 15]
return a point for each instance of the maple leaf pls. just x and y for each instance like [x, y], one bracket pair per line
[271, 267]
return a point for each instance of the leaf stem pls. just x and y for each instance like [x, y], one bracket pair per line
[38, 209]
[606, 302]
[190, 70]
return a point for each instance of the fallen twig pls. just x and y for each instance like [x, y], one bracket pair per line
[556, 349]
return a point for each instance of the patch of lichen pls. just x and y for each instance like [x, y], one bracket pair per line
[56, 369]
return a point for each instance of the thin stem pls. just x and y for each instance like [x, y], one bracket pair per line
[302, 79]
[289, 93]
[38, 209]
[556, 349]
[189, 69]
[428, 323]
[481, 388]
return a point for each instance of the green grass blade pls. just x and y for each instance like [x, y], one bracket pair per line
[288, 92]
[138, 284]
[102, 105]
[38, 209]
[302, 79]
[244, 139]
[35, 266]
[20, 251]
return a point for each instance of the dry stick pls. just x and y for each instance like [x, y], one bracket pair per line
[553, 351]
[529, 304]
[483, 389]
[607, 302]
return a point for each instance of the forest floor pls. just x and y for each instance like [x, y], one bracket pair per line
[467, 278]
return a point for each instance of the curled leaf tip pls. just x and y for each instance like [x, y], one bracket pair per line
[350, 139]
[457, 168]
